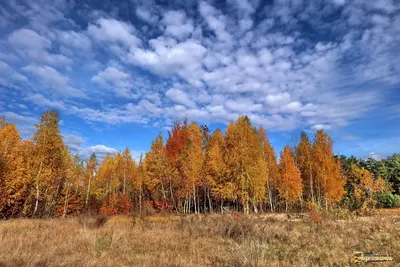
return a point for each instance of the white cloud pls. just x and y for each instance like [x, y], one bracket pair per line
[14, 117]
[25, 38]
[277, 100]
[119, 80]
[30, 44]
[180, 97]
[100, 150]
[321, 127]
[42, 101]
[9, 77]
[77, 42]
[57, 81]
[177, 24]
[74, 142]
[144, 14]
[212, 64]
[112, 30]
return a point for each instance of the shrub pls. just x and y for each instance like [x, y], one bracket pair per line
[124, 205]
[396, 201]
[313, 212]
[387, 200]
[109, 207]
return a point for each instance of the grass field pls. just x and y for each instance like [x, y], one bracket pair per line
[204, 240]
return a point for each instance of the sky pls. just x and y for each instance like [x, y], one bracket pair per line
[120, 72]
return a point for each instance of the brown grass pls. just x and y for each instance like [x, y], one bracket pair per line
[197, 240]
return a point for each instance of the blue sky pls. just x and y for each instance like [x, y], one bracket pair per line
[119, 72]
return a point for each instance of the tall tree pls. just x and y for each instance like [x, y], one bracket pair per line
[304, 163]
[327, 172]
[178, 139]
[15, 178]
[192, 163]
[273, 171]
[243, 151]
[215, 168]
[157, 171]
[290, 184]
[49, 166]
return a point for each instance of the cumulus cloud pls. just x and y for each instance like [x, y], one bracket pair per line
[177, 24]
[210, 62]
[30, 44]
[56, 80]
[375, 156]
[144, 14]
[9, 77]
[109, 30]
[100, 150]
[120, 81]
[180, 97]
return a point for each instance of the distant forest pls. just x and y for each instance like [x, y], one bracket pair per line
[194, 171]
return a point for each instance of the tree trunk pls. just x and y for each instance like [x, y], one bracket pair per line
[311, 185]
[209, 201]
[194, 199]
[66, 201]
[270, 196]
[171, 192]
[37, 188]
[88, 192]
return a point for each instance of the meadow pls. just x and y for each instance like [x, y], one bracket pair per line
[199, 240]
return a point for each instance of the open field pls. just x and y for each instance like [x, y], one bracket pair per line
[213, 240]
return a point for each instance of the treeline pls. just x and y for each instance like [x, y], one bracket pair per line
[194, 171]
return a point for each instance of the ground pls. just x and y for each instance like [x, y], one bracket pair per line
[199, 240]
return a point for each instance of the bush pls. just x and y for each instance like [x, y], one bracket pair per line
[396, 201]
[387, 200]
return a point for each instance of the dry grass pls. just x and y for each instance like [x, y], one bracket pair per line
[206, 240]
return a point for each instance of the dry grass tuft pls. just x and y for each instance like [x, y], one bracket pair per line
[197, 240]
[92, 222]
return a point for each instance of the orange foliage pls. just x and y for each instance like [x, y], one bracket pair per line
[110, 207]
[124, 205]
[289, 185]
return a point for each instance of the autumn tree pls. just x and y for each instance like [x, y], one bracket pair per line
[15, 177]
[192, 163]
[243, 153]
[304, 159]
[289, 185]
[273, 171]
[215, 169]
[361, 187]
[48, 168]
[178, 139]
[72, 200]
[127, 173]
[158, 179]
[329, 182]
